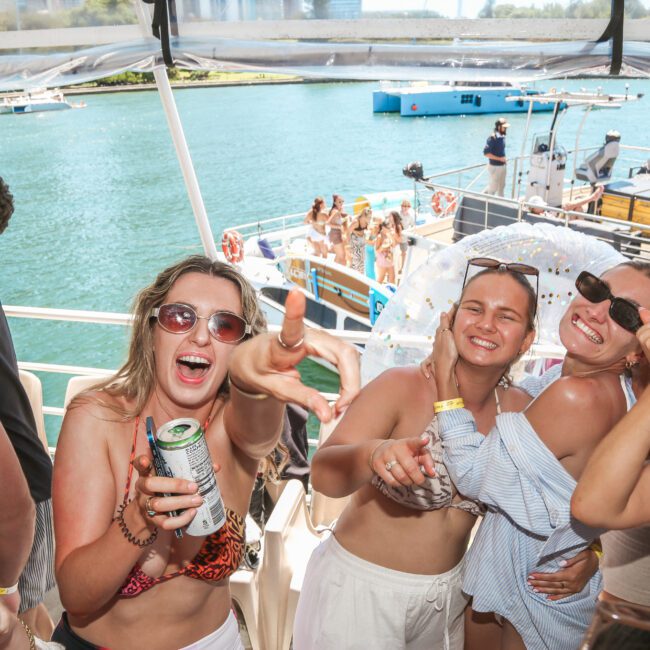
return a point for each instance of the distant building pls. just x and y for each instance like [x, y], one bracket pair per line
[242, 9]
[345, 8]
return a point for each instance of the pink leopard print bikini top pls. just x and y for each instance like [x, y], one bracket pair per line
[219, 556]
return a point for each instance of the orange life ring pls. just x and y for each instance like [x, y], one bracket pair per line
[232, 245]
[443, 203]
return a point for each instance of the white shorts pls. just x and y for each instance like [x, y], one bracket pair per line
[225, 637]
[347, 602]
[316, 236]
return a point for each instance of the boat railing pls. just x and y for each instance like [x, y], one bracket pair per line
[467, 177]
[477, 211]
[271, 224]
[121, 319]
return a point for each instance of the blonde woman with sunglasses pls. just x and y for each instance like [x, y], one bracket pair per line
[198, 350]
[526, 468]
[390, 575]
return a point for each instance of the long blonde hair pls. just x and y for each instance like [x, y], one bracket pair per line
[136, 379]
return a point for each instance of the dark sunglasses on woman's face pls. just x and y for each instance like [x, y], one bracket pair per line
[622, 311]
[514, 267]
[178, 318]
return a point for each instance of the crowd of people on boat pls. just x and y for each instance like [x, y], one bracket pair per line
[555, 468]
[372, 245]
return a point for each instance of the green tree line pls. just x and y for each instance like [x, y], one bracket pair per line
[575, 9]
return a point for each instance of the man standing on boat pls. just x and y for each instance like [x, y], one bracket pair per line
[18, 420]
[495, 152]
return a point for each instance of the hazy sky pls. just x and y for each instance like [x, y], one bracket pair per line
[470, 8]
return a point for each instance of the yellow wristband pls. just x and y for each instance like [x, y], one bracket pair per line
[597, 549]
[448, 405]
[4, 591]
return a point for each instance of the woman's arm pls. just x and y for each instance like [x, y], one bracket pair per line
[331, 219]
[93, 557]
[614, 489]
[17, 512]
[264, 367]
[359, 446]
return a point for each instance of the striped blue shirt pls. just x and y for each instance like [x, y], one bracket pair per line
[528, 527]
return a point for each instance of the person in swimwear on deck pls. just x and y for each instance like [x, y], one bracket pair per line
[197, 350]
[526, 469]
[316, 218]
[389, 576]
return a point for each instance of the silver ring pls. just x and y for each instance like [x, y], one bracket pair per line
[390, 464]
[290, 347]
[147, 506]
[446, 329]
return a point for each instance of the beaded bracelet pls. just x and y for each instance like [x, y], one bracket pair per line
[140, 543]
[448, 405]
[30, 635]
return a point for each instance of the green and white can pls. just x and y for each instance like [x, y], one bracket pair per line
[184, 449]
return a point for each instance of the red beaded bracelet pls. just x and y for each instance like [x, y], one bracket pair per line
[141, 543]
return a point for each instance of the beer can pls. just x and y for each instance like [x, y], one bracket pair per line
[184, 449]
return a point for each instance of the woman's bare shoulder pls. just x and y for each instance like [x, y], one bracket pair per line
[406, 382]
[514, 399]
[98, 409]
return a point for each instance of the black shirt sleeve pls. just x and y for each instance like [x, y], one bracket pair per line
[18, 420]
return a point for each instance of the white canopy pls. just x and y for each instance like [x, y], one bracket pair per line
[44, 44]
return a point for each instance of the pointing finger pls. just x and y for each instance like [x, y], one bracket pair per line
[293, 328]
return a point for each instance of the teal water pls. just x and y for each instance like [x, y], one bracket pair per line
[101, 205]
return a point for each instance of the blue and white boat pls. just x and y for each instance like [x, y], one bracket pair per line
[454, 99]
[35, 101]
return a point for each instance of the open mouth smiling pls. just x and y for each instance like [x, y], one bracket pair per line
[191, 366]
[483, 343]
[591, 334]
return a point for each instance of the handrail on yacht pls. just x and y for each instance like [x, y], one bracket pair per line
[86, 316]
[261, 222]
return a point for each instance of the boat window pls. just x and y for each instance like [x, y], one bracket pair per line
[355, 325]
[318, 313]
[275, 294]
[466, 99]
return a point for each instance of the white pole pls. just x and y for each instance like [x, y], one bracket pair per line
[185, 161]
[180, 145]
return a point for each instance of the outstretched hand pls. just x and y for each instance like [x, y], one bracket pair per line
[267, 362]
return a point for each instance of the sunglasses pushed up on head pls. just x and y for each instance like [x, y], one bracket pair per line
[225, 326]
[622, 311]
[513, 267]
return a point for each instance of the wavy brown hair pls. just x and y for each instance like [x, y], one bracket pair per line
[317, 207]
[136, 379]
